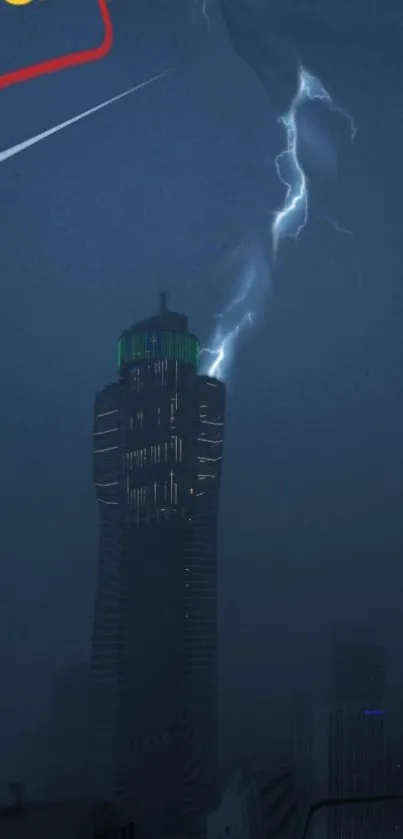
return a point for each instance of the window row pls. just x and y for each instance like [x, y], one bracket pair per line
[170, 451]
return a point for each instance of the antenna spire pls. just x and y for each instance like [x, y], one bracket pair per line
[163, 302]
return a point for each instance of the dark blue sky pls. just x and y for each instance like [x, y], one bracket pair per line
[158, 190]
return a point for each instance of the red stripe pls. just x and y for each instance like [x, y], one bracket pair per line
[53, 65]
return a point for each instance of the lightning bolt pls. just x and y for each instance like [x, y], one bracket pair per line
[26, 144]
[293, 216]
[222, 347]
[231, 322]
[340, 228]
[204, 10]
[288, 221]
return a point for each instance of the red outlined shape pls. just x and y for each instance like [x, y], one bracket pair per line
[53, 65]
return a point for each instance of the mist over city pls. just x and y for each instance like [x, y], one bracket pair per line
[201, 307]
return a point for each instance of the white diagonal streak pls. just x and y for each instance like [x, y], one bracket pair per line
[4, 155]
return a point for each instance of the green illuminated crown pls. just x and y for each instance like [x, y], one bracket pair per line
[163, 336]
[155, 344]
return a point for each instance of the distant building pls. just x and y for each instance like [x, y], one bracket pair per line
[394, 775]
[302, 721]
[394, 760]
[358, 674]
[61, 821]
[257, 804]
[30, 769]
[17, 794]
[69, 739]
[158, 448]
[45, 821]
[349, 744]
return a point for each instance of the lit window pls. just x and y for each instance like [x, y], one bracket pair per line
[107, 413]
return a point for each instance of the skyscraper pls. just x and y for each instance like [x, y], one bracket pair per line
[349, 741]
[158, 448]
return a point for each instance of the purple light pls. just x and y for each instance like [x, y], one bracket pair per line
[377, 712]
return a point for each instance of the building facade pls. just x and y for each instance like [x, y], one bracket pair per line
[158, 448]
[64, 820]
[302, 734]
[257, 804]
[349, 744]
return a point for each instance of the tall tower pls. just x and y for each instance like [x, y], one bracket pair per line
[158, 448]
[356, 739]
